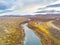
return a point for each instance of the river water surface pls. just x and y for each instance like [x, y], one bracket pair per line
[30, 37]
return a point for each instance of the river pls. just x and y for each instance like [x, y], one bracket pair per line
[30, 37]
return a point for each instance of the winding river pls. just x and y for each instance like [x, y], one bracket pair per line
[30, 38]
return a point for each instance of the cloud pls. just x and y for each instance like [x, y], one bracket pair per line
[57, 2]
[51, 8]
[27, 6]
[55, 5]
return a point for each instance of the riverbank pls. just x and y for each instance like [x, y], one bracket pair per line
[30, 37]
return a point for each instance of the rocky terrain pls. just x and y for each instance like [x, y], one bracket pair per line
[48, 30]
[11, 32]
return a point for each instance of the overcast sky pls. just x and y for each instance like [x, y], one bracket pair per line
[23, 7]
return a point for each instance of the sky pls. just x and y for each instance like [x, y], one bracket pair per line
[23, 7]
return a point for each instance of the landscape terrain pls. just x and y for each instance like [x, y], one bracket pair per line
[11, 31]
[46, 27]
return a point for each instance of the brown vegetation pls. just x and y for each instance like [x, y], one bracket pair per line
[48, 34]
[11, 32]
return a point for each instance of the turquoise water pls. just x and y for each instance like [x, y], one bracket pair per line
[31, 38]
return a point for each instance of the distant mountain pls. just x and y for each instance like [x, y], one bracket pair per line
[11, 16]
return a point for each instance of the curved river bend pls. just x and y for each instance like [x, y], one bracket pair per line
[31, 38]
